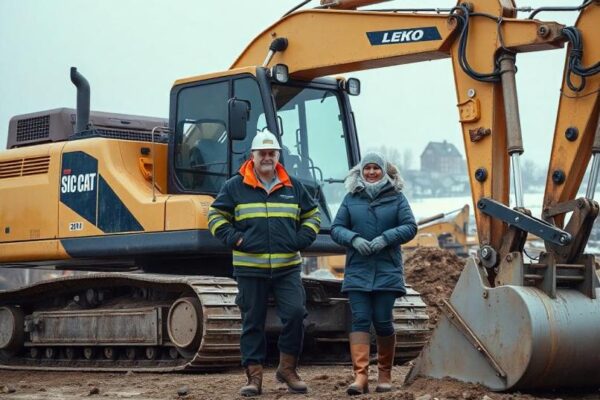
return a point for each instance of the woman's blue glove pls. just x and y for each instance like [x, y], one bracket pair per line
[362, 246]
[377, 244]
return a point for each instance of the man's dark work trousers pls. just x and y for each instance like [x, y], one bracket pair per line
[253, 300]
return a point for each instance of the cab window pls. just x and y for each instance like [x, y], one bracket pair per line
[203, 161]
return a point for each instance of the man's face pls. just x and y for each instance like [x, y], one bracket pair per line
[265, 160]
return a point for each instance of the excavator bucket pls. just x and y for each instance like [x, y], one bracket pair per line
[515, 336]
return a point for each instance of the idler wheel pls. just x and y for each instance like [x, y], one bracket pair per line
[185, 324]
[12, 332]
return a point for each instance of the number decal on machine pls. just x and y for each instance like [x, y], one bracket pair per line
[75, 226]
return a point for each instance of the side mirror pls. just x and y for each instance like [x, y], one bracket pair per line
[239, 112]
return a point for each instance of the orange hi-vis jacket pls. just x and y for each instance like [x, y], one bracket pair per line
[274, 225]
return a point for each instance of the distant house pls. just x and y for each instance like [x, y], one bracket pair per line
[434, 184]
[442, 157]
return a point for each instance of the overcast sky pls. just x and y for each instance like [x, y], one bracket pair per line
[131, 51]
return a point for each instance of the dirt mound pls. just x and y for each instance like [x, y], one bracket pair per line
[433, 273]
[447, 388]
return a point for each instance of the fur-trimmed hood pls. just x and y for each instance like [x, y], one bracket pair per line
[354, 181]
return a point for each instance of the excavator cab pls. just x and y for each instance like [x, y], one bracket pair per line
[128, 194]
[212, 139]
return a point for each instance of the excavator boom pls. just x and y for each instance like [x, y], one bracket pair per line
[330, 42]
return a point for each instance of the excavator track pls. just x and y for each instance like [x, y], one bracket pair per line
[329, 321]
[411, 323]
[121, 322]
[164, 323]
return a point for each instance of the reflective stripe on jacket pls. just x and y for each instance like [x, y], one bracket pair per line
[274, 226]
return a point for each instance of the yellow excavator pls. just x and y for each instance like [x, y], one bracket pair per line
[111, 192]
[447, 230]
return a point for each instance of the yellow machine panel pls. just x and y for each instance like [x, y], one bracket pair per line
[41, 250]
[29, 193]
[102, 179]
[183, 211]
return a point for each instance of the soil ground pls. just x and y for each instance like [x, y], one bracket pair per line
[432, 272]
[325, 382]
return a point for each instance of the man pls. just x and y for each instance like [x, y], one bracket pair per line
[266, 217]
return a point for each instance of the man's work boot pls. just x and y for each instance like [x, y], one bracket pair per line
[286, 373]
[253, 387]
[386, 349]
[360, 342]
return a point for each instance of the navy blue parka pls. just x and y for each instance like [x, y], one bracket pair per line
[389, 215]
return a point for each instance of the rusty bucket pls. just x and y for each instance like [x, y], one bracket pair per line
[516, 337]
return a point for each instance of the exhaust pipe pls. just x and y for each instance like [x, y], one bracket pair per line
[83, 100]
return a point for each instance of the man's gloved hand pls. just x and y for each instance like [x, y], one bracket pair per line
[362, 246]
[377, 244]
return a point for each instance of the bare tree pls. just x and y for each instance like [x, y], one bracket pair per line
[408, 159]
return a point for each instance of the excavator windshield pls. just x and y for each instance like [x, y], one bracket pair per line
[315, 148]
[313, 120]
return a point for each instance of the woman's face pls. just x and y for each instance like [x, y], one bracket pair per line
[372, 173]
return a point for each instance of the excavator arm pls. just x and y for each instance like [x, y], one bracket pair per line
[333, 41]
[518, 324]
[576, 139]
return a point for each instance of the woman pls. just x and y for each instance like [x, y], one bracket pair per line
[372, 222]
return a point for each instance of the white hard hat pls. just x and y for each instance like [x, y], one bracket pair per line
[265, 140]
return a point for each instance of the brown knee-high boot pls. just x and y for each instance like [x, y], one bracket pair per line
[386, 349]
[359, 349]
